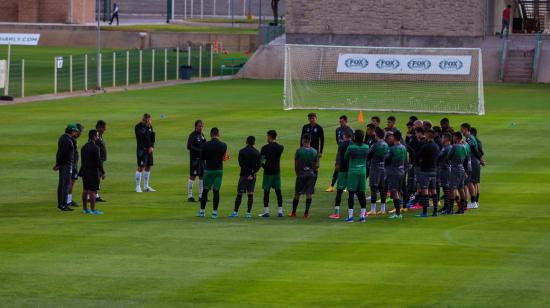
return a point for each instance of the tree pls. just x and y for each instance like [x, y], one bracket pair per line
[275, 9]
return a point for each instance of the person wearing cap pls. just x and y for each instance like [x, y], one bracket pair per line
[145, 138]
[64, 164]
[74, 173]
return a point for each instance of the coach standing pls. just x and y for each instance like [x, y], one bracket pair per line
[64, 164]
[145, 139]
[317, 135]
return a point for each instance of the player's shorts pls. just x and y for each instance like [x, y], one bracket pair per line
[377, 176]
[475, 175]
[357, 182]
[394, 180]
[456, 178]
[196, 167]
[305, 184]
[212, 179]
[144, 158]
[245, 185]
[74, 174]
[443, 176]
[271, 181]
[342, 180]
[427, 180]
[90, 180]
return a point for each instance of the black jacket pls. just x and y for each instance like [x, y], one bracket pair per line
[65, 151]
[91, 160]
[249, 161]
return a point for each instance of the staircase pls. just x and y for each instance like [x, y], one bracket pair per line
[533, 13]
[519, 66]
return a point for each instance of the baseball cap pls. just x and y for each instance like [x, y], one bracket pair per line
[73, 127]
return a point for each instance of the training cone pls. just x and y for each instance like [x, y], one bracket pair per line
[360, 118]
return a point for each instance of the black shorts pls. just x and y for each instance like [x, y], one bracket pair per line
[196, 167]
[90, 181]
[475, 175]
[305, 184]
[245, 185]
[144, 158]
[427, 180]
[394, 181]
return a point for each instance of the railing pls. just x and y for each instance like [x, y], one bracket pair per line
[503, 55]
[268, 33]
[533, 13]
[536, 57]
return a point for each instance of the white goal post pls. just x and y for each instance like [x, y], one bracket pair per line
[406, 79]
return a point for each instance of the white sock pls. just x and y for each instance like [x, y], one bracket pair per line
[146, 175]
[69, 198]
[363, 212]
[138, 179]
[266, 210]
[337, 209]
[200, 187]
[350, 213]
[96, 195]
[383, 207]
[280, 210]
[373, 207]
[214, 212]
[190, 188]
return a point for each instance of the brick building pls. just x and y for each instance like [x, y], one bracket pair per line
[48, 11]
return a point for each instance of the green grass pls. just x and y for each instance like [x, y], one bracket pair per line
[228, 20]
[150, 250]
[180, 28]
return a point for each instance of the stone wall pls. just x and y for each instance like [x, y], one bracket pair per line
[47, 11]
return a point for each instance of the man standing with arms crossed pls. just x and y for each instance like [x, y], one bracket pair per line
[64, 165]
[145, 137]
[214, 153]
[340, 133]
[196, 166]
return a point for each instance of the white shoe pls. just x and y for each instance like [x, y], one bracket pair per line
[149, 189]
[476, 205]
[471, 205]
[138, 189]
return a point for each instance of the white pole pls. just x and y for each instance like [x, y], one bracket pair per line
[177, 63]
[127, 68]
[202, 9]
[173, 10]
[86, 72]
[23, 78]
[71, 73]
[153, 66]
[165, 64]
[200, 61]
[100, 60]
[114, 69]
[192, 8]
[214, 11]
[55, 75]
[211, 60]
[244, 8]
[189, 55]
[140, 66]
[228, 8]
[185, 9]
[7, 81]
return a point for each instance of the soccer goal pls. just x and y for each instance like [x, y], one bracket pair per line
[434, 80]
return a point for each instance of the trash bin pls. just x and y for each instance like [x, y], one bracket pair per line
[186, 71]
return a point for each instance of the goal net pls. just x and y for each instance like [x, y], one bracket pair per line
[435, 80]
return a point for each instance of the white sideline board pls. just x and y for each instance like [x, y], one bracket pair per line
[19, 39]
[404, 64]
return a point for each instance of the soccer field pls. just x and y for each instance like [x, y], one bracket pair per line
[149, 249]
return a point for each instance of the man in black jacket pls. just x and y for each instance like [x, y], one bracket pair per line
[196, 166]
[101, 127]
[426, 157]
[250, 162]
[74, 171]
[91, 171]
[145, 138]
[214, 153]
[64, 163]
